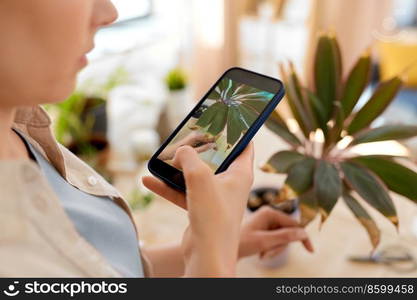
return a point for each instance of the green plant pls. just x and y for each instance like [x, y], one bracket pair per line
[70, 126]
[236, 106]
[140, 200]
[73, 122]
[75, 118]
[176, 80]
[319, 174]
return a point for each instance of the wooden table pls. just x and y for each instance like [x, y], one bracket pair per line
[339, 237]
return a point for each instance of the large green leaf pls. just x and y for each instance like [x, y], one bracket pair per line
[275, 117]
[219, 120]
[300, 175]
[282, 161]
[235, 127]
[334, 134]
[237, 106]
[327, 187]
[258, 105]
[223, 84]
[308, 207]
[364, 218]
[318, 110]
[384, 133]
[208, 114]
[327, 72]
[398, 178]
[246, 90]
[228, 89]
[370, 188]
[248, 115]
[356, 83]
[276, 124]
[381, 98]
[214, 95]
[255, 95]
[294, 102]
[303, 102]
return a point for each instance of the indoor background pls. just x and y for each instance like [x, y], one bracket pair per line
[161, 56]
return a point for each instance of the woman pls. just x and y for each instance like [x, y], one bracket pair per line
[60, 218]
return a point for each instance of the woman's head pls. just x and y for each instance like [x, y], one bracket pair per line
[43, 46]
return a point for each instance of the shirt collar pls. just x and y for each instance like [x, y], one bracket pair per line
[34, 116]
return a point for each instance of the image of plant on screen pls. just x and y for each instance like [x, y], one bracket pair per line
[227, 113]
[235, 106]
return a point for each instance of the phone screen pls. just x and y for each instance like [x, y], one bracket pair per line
[219, 123]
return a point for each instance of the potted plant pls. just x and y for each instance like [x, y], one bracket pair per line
[176, 83]
[139, 200]
[321, 173]
[80, 122]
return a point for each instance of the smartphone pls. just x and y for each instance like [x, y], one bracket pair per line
[221, 125]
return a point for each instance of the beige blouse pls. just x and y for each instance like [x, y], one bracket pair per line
[37, 238]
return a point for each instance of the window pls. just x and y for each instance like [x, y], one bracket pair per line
[132, 10]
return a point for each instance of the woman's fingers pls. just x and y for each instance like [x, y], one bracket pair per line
[163, 190]
[244, 162]
[283, 220]
[277, 250]
[241, 169]
[283, 236]
[197, 138]
[197, 174]
[273, 252]
[205, 147]
[277, 218]
[308, 245]
[190, 163]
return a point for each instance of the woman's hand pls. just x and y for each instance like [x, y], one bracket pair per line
[199, 141]
[268, 231]
[215, 205]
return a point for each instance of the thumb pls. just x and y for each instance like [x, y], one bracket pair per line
[195, 170]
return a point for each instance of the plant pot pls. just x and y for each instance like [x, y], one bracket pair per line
[96, 108]
[133, 115]
[264, 196]
[176, 107]
[93, 148]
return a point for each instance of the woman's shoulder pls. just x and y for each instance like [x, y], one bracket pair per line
[34, 124]
[83, 176]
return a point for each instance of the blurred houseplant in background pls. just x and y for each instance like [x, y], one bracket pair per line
[321, 172]
[176, 105]
[139, 199]
[176, 80]
[80, 122]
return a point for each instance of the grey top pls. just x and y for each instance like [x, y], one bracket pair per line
[98, 219]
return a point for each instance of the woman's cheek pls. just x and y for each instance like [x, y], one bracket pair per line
[43, 42]
[68, 45]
